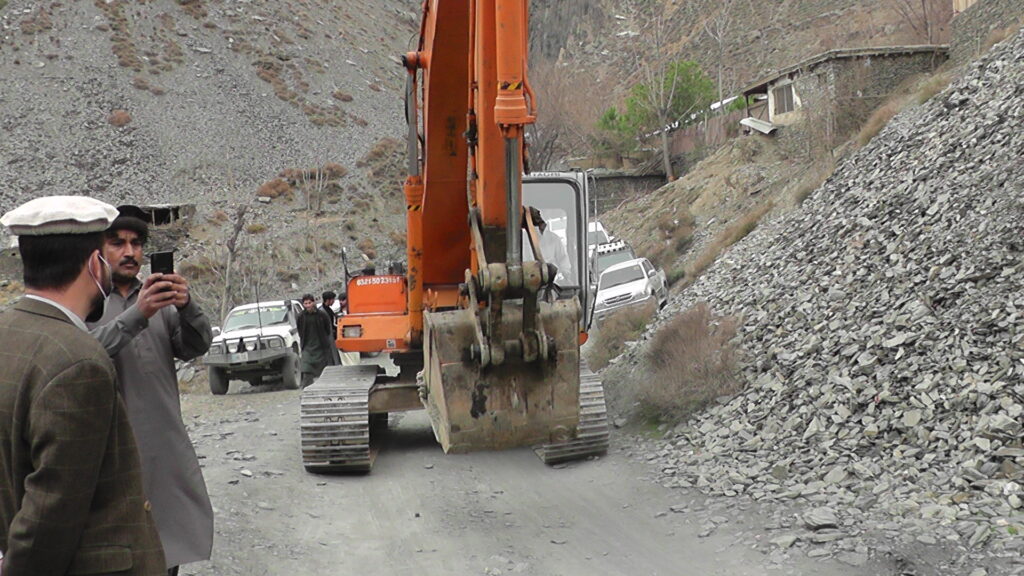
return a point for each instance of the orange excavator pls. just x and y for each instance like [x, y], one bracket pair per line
[486, 333]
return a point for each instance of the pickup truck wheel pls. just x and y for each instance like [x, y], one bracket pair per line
[290, 372]
[218, 381]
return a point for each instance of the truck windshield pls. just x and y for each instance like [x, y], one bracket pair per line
[621, 276]
[606, 261]
[249, 318]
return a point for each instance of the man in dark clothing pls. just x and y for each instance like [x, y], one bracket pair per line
[328, 307]
[315, 335]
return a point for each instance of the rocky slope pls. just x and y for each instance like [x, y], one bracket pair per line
[202, 102]
[883, 326]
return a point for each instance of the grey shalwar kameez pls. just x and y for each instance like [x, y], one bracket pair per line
[143, 352]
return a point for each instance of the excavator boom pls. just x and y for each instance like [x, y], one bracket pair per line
[487, 332]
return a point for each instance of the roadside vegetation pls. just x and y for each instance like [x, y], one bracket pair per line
[620, 327]
[694, 361]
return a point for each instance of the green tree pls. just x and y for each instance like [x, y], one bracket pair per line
[673, 93]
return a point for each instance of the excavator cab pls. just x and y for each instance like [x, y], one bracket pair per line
[562, 198]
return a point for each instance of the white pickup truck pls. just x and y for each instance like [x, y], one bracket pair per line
[259, 343]
[630, 283]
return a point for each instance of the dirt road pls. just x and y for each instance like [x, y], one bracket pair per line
[423, 512]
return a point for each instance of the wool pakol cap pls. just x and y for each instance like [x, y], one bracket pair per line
[59, 215]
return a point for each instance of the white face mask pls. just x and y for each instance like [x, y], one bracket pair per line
[101, 303]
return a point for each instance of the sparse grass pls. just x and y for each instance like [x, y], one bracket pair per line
[878, 120]
[621, 326]
[255, 228]
[726, 238]
[693, 361]
[937, 83]
[998, 35]
[895, 104]
[674, 275]
[119, 118]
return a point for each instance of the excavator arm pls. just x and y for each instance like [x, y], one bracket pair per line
[496, 351]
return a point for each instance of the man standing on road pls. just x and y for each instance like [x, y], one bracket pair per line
[315, 335]
[145, 326]
[328, 307]
[71, 492]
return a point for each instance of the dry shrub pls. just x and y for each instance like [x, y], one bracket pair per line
[933, 86]
[255, 228]
[198, 269]
[329, 171]
[343, 96]
[693, 362]
[219, 217]
[366, 246]
[998, 35]
[726, 238]
[275, 189]
[878, 120]
[619, 327]
[119, 118]
[140, 82]
[397, 237]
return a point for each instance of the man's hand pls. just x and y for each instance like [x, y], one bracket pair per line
[181, 296]
[157, 292]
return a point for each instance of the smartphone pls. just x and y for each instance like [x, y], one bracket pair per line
[162, 262]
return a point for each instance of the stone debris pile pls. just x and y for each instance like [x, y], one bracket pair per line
[883, 330]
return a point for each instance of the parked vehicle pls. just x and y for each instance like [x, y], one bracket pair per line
[606, 255]
[596, 235]
[258, 343]
[609, 254]
[631, 283]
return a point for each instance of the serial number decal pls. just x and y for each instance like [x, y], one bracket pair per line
[377, 280]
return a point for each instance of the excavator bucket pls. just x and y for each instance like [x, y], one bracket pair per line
[515, 403]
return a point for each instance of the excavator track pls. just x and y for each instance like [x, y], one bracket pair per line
[335, 420]
[592, 432]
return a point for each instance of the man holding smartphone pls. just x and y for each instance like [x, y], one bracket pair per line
[145, 326]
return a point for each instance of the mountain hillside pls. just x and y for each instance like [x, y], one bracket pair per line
[882, 330]
[203, 102]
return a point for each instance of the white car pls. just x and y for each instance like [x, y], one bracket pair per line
[634, 282]
[258, 343]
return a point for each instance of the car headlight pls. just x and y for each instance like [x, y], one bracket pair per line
[275, 342]
[601, 305]
[251, 345]
[217, 349]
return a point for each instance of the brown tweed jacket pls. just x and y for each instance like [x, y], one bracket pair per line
[71, 498]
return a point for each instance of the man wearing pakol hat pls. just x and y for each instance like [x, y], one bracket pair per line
[146, 325]
[71, 499]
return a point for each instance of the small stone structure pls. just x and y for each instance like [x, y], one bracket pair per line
[611, 187]
[830, 95]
